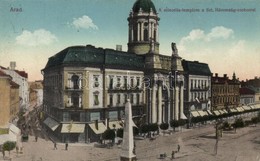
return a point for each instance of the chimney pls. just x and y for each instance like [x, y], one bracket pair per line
[12, 65]
[119, 47]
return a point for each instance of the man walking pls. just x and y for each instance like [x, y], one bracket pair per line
[55, 146]
[66, 146]
[179, 147]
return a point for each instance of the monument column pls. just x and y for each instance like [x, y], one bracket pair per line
[159, 121]
[176, 116]
[128, 139]
[154, 113]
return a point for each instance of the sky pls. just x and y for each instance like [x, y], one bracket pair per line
[31, 31]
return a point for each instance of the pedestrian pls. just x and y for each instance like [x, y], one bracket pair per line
[55, 146]
[66, 146]
[36, 138]
[179, 147]
[3, 153]
[173, 153]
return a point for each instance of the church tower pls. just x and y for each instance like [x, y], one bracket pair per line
[143, 26]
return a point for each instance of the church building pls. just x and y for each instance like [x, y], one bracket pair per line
[86, 87]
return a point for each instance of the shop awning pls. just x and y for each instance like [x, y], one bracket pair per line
[246, 108]
[195, 113]
[209, 112]
[73, 128]
[221, 112]
[216, 112]
[233, 110]
[201, 113]
[100, 129]
[225, 111]
[115, 125]
[52, 124]
[239, 109]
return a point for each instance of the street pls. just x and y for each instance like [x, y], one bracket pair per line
[195, 145]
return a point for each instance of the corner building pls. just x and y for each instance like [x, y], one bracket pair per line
[85, 88]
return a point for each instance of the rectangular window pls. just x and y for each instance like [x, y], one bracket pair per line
[125, 82]
[138, 82]
[132, 82]
[111, 100]
[118, 82]
[126, 98]
[138, 98]
[66, 116]
[111, 82]
[96, 81]
[118, 99]
[96, 100]
[132, 98]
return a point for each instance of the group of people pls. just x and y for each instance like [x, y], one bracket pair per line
[173, 152]
[55, 146]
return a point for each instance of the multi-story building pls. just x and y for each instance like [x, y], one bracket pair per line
[36, 93]
[9, 99]
[197, 86]
[247, 96]
[225, 92]
[85, 88]
[253, 84]
[20, 78]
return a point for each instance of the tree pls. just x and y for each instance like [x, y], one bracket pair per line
[109, 134]
[8, 146]
[164, 126]
[255, 120]
[174, 124]
[182, 122]
[135, 131]
[238, 123]
[120, 133]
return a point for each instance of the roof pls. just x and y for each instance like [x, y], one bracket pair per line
[3, 74]
[223, 80]
[14, 85]
[96, 57]
[196, 68]
[246, 91]
[22, 73]
[146, 6]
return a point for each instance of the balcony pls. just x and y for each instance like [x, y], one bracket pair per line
[199, 88]
[122, 89]
[73, 89]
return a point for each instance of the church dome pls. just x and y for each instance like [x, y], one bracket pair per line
[146, 6]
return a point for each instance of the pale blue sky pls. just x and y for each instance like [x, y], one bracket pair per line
[227, 41]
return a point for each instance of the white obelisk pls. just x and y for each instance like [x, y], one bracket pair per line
[128, 138]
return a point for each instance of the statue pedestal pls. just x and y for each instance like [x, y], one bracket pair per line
[127, 159]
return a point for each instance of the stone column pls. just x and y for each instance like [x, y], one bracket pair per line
[176, 103]
[182, 116]
[152, 31]
[159, 121]
[173, 104]
[128, 139]
[154, 113]
[138, 31]
[142, 31]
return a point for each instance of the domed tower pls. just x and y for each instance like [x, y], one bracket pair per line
[143, 27]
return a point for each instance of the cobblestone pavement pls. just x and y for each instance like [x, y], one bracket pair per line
[196, 144]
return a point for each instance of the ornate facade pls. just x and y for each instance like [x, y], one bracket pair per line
[225, 92]
[86, 88]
